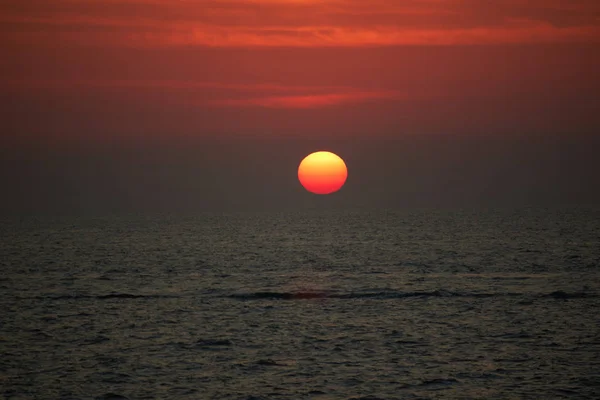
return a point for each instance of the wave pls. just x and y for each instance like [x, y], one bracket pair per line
[301, 295]
[352, 295]
[213, 342]
[384, 295]
[438, 382]
[111, 396]
[279, 295]
[559, 294]
[108, 296]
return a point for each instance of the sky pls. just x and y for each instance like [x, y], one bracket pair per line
[210, 105]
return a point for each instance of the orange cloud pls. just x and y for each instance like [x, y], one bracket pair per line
[307, 100]
[165, 85]
[228, 94]
[330, 36]
[301, 23]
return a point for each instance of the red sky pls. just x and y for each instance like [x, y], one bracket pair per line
[444, 56]
[300, 23]
[96, 71]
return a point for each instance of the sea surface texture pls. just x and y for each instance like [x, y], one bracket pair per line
[426, 304]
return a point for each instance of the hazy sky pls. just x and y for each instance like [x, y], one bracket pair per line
[166, 105]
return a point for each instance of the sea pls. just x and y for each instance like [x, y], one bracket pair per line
[314, 304]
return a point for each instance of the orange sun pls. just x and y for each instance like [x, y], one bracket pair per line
[322, 172]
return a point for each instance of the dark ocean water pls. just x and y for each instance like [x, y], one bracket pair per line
[314, 305]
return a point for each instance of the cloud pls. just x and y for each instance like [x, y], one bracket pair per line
[221, 94]
[301, 23]
[332, 36]
[307, 100]
[163, 84]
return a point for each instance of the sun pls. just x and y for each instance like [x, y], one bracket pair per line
[322, 172]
